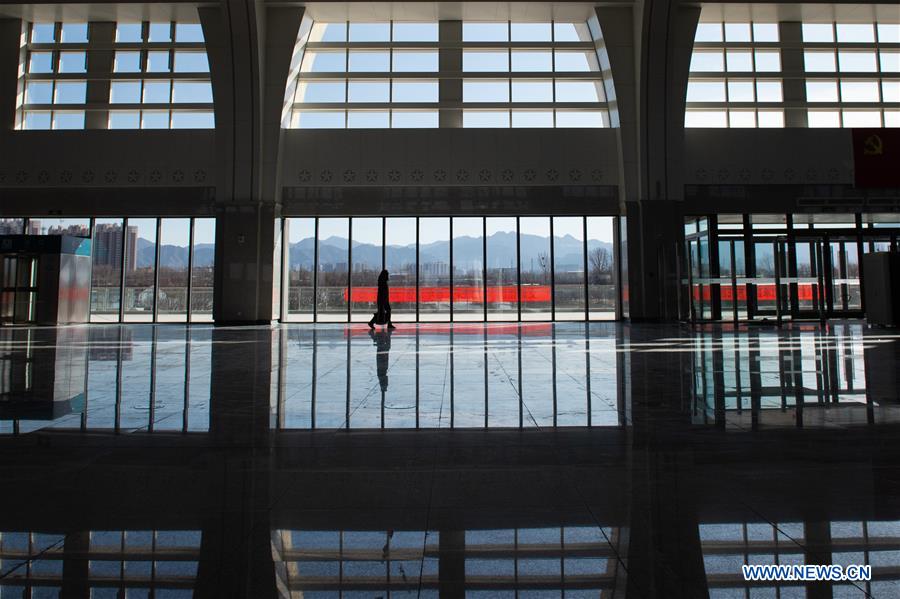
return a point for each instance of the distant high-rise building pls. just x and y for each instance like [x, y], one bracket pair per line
[10, 226]
[108, 245]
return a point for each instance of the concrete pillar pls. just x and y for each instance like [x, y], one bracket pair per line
[75, 578]
[794, 88]
[99, 66]
[452, 566]
[249, 49]
[450, 60]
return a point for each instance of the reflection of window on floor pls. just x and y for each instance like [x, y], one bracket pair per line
[578, 559]
[727, 547]
[443, 269]
[157, 77]
[120, 563]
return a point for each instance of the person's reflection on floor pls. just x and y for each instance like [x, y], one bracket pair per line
[382, 341]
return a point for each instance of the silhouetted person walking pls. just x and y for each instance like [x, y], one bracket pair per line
[383, 313]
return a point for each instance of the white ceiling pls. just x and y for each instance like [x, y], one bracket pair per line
[435, 11]
[887, 12]
[163, 11]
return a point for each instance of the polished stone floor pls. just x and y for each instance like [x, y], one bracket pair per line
[467, 460]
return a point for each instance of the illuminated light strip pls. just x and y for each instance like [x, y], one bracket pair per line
[431, 295]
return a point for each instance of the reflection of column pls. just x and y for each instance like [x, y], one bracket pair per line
[75, 565]
[452, 563]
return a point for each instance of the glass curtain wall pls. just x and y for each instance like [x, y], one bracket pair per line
[203, 257]
[468, 269]
[442, 269]
[174, 268]
[139, 294]
[106, 272]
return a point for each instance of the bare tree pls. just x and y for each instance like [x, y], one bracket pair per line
[600, 259]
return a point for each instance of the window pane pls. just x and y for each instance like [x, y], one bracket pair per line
[188, 32]
[740, 91]
[414, 119]
[768, 91]
[530, 90]
[36, 120]
[369, 90]
[770, 118]
[72, 62]
[890, 91]
[79, 227]
[855, 32]
[768, 61]
[192, 92]
[739, 60]
[708, 32]
[859, 91]
[862, 118]
[70, 92]
[191, 62]
[576, 60]
[491, 119]
[890, 61]
[434, 268]
[737, 32]
[534, 240]
[74, 33]
[300, 235]
[369, 61]
[765, 32]
[707, 61]
[889, 33]
[706, 91]
[155, 119]
[68, 119]
[140, 269]
[400, 261]
[706, 118]
[824, 118]
[331, 271]
[318, 119]
[579, 91]
[43, 33]
[415, 32]
[484, 90]
[415, 61]
[857, 61]
[601, 268]
[821, 91]
[106, 274]
[582, 118]
[370, 32]
[818, 32]
[124, 119]
[158, 61]
[816, 61]
[156, 92]
[367, 248]
[321, 91]
[324, 61]
[485, 32]
[501, 260]
[368, 119]
[160, 32]
[532, 60]
[173, 268]
[468, 268]
[415, 91]
[328, 32]
[485, 60]
[193, 119]
[125, 92]
[531, 32]
[532, 118]
[571, 32]
[40, 62]
[127, 62]
[39, 92]
[11, 226]
[568, 267]
[128, 32]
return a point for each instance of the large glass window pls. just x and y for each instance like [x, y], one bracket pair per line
[203, 269]
[434, 268]
[109, 240]
[468, 268]
[56, 98]
[367, 253]
[300, 241]
[568, 267]
[535, 265]
[502, 268]
[601, 268]
[332, 274]
[139, 294]
[401, 261]
[849, 70]
[555, 80]
[174, 256]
